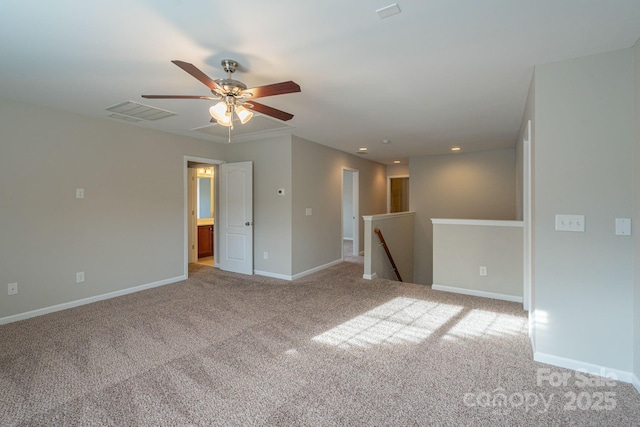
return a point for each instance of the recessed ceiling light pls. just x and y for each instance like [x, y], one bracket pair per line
[455, 148]
[362, 149]
[396, 161]
[386, 141]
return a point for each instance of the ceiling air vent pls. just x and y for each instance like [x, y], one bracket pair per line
[385, 12]
[258, 124]
[138, 111]
[123, 117]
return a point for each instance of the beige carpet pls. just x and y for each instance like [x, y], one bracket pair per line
[330, 349]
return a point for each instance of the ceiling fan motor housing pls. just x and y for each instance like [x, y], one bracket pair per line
[229, 65]
[231, 86]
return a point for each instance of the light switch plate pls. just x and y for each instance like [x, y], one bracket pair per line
[308, 212]
[570, 223]
[623, 226]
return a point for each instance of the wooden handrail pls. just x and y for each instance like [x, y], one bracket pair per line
[386, 249]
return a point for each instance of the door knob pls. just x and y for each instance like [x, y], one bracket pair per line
[248, 223]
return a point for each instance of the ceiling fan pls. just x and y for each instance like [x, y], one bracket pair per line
[234, 96]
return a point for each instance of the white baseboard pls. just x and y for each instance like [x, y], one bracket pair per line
[578, 365]
[320, 267]
[476, 293]
[370, 276]
[273, 275]
[89, 300]
[636, 383]
[299, 275]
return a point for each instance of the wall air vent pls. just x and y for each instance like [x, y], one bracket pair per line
[139, 111]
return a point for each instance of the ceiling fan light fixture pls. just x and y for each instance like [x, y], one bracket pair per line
[219, 111]
[243, 114]
[227, 122]
[221, 115]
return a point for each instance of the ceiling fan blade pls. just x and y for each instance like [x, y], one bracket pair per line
[178, 97]
[272, 89]
[195, 72]
[269, 111]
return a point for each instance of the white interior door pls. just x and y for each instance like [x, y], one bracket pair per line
[236, 217]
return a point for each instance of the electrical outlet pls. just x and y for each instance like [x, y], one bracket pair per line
[80, 277]
[483, 270]
[12, 289]
[79, 193]
[265, 255]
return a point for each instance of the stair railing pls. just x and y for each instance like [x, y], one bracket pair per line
[386, 249]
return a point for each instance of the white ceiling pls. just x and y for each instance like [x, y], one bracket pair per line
[441, 73]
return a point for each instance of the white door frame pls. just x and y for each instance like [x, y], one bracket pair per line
[192, 217]
[186, 207]
[355, 176]
[527, 300]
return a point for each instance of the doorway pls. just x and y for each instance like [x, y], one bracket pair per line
[350, 213]
[201, 200]
[205, 211]
[398, 194]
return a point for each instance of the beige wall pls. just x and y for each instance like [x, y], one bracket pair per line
[584, 165]
[272, 212]
[397, 170]
[460, 250]
[311, 175]
[317, 184]
[477, 185]
[128, 230]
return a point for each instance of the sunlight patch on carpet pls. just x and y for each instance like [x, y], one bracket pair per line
[479, 323]
[399, 321]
